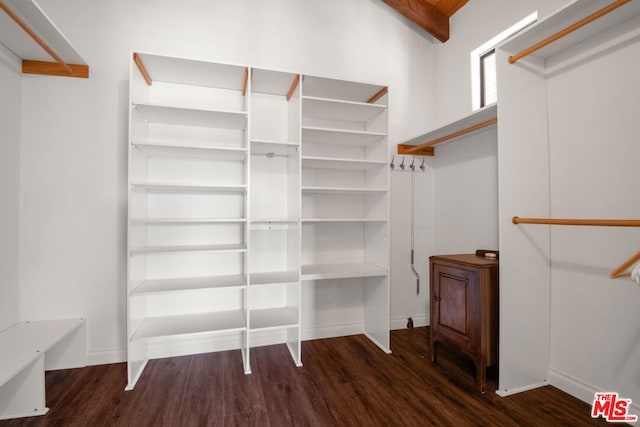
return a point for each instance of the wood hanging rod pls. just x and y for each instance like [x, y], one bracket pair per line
[143, 70]
[293, 86]
[378, 95]
[246, 81]
[35, 37]
[593, 222]
[418, 148]
[619, 270]
[613, 6]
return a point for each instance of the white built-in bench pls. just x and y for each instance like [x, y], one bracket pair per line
[23, 348]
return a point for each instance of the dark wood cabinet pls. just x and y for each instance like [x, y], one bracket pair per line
[464, 308]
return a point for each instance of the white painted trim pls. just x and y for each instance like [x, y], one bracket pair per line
[10, 59]
[487, 46]
[516, 390]
[581, 390]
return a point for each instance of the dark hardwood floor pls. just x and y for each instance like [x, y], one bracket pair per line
[345, 381]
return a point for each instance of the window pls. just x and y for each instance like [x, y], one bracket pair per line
[483, 65]
[488, 86]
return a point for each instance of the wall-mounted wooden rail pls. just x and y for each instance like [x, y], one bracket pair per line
[378, 95]
[619, 271]
[514, 58]
[58, 68]
[418, 148]
[588, 222]
[143, 70]
[293, 86]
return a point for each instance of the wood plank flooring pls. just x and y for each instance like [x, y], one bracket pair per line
[345, 381]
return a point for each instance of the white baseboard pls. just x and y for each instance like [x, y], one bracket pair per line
[581, 390]
[509, 391]
[105, 357]
[401, 321]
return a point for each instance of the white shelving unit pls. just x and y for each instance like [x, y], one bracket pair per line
[345, 202]
[240, 187]
[188, 209]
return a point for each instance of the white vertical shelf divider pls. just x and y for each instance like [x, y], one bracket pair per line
[242, 181]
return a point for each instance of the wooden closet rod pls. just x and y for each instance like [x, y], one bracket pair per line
[35, 37]
[452, 135]
[595, 222]
[619, 270]
[568, 30]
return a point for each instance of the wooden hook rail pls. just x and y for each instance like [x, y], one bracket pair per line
[565, 221]
[620, 270]
[514, 58]
[66, 67]
[418, 148]
[143, 70]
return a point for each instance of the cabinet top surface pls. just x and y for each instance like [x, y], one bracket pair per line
[467, 259]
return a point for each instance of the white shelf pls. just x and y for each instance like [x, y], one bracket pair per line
[341, 271]
[271, 82]
[188, 220]
[192, 117]
[340, 163]
[316, 220]
[569, 15]
[482, 115]
[184, 188]
[201, 323]
[275, 147]
[273, 220]
[273, 318]
[321, 135]
[22, 45]
[274, 278]
[163, 286]
[345, 191]
[192, 72]
[332, 109]
[217, 153]
[189, 248]
[338, 89]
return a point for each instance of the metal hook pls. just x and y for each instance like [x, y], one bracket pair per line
[402, 164]
[391, 165]
[412, 166]
[422, 165]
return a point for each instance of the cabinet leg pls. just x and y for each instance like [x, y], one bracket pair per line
[481, 376]
[434, 351]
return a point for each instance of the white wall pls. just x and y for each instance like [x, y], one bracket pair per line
[594, 152]
[10, 112]
[74, 131]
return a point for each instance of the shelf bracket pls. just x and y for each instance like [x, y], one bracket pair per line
[378, 95]
[143, 70]
[293, 86]
[246, 81]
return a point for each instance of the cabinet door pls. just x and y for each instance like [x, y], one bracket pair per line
[454, 306]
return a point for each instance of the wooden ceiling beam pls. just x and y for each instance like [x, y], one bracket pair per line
[424, 15]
